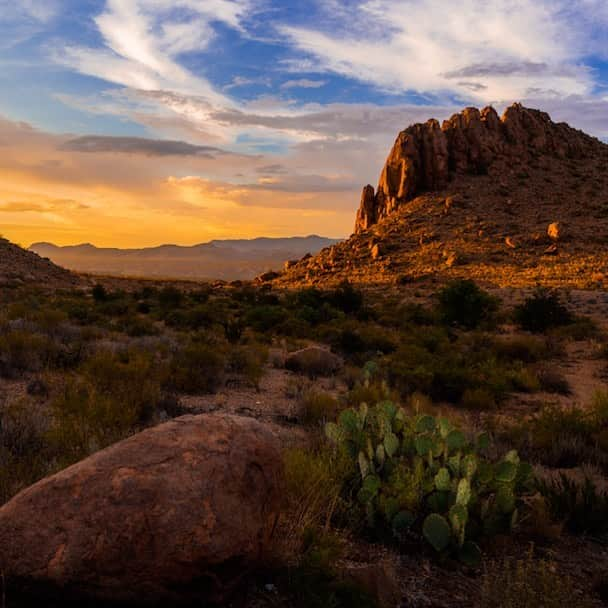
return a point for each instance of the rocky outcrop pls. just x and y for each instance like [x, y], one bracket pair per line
[425, 156]
[182, 510]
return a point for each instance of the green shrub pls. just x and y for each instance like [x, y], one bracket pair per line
[478, 399]
[318, 407]
[197, 368]
[578, 504]
[24, 456]
[249, 361]
[421, 473]
[314, 480]
[542, 311]
[463, 303]
[265, 318]
[112, 397]
[99, 293]
[528, 582]
[346, 298]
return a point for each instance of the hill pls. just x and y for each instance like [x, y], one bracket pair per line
[512, 200]
[219, 259]
[19, 266]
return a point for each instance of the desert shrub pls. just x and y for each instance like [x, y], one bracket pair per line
[23, 449]
[552, 381]
[527, 349]
[463, 303]
[528, 582]
[265, 318]
[478, 399]
[420, 473]
[359, 341]
[169, 298]
[249, 361]
[197, 368]
[111, 397]
[564, 437]
[314, 480]
[346, 298]
[233, 330]
[542, 311]
[318, 407]
[580, 505]
[23, 351]
[99, 293]
[314, 581]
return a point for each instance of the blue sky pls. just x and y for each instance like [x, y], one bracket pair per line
[316, 91]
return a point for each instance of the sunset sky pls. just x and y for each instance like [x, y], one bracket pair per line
[138, 122]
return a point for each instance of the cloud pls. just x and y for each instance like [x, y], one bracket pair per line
[425, 44]
[303, 83]
[138, 145]
[47, 206]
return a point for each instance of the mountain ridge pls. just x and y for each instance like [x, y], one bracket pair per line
[228, 259]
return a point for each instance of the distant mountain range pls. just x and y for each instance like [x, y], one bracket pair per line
[219, 259]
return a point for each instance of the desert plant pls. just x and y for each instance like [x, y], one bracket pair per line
[580, 505]
[318, 407]
[463, 303]
[542, 311]
[419, 472]
[197, 368]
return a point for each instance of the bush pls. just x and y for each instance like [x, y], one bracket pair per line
[542, 311]
[113, 396]
[528, 582]
[249, 361]
[318, 408]
[478, 399]
[578, 504]
[464, 303]
[420, 473]
[99, 293]
[346, 298]
[314, 480]
[24, 456]
[197, 368]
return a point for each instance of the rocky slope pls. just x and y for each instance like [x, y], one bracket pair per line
[512, 200]
[18, 267]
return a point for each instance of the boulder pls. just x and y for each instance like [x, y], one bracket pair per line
[314, 361]
[181, 511]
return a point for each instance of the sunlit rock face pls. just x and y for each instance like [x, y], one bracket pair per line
[425, 156]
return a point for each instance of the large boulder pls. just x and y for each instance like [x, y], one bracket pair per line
[313, 361]
[181, 511]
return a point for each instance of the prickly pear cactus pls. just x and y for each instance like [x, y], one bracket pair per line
[421, 474]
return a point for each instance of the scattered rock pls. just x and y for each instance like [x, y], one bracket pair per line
[555, 231]
[510, 243]
[376, 251]
[551, 250]
[451, 259]
[181, 510]
[314, 361]
[290, 264]
[266, 277]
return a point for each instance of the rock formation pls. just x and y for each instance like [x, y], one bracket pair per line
[426, 156]
[179, 511]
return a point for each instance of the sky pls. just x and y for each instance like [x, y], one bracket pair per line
[132, 123]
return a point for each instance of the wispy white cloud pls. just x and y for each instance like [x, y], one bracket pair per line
[426, 42]
[303, 83]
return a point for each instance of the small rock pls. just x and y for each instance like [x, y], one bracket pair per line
[551, 250]
[555, 231]
[451, 259]
[376, 251]
[510, 243]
